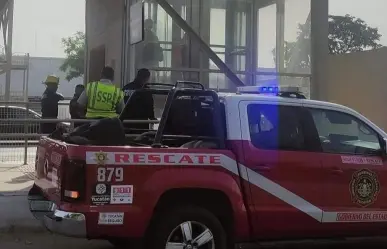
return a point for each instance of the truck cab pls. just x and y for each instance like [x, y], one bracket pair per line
[263, 163]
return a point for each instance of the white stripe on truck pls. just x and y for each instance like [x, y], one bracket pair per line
[230, 164]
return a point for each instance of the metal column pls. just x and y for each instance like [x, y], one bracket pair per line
[202, 19]
[8, 47]
[231, 10]
[196, 38]
[86, 60]
[319, 47]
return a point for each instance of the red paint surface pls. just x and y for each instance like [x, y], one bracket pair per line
[306, 174]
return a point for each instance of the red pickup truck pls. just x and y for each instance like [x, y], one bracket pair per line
[221, 169]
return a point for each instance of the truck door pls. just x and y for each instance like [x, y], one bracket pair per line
[283, 170]
[354, 174]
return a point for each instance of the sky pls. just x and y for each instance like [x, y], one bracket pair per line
[39, 25]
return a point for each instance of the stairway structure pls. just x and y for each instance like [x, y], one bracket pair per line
[8, 60]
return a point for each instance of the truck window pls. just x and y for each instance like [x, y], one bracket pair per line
[344, 134]
[140, 108]
[190, 120]
[275, 127]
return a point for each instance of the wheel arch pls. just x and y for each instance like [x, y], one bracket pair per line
[205, 188]
[215, 201]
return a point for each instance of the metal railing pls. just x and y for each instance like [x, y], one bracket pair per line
[20, 129]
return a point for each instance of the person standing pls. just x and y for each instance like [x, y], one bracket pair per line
[76, 112]
[150, 51]
[102, 99]
[142, 78]
[141, 104]
[50, 104]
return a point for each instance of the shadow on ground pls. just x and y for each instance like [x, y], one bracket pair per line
[20, 192]
[20, 179]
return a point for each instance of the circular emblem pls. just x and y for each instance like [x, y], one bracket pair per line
[364, 187]
[100, 189]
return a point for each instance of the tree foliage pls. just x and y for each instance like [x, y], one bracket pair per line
[347, 34]
[74, 48]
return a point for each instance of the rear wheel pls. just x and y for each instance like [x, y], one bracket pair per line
[187, 228]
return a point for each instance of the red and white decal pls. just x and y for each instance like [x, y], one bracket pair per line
[254, 178]
[348, 217]
[361, 160]
[121, 194]
[56, 158]
[109, 174]
[132, 158]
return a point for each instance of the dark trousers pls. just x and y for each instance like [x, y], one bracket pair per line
[47, 128]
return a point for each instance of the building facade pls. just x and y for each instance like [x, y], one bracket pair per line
[31, 77]
[221, 43]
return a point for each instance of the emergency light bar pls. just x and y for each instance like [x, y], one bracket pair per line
[268, 89]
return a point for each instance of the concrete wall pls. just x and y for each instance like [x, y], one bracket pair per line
[359, 81]
[104, 28]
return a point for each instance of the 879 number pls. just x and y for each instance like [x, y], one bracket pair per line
[106, 174]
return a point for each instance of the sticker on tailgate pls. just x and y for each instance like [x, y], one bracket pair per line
[101, 194]
[56, 158]
[111, 219]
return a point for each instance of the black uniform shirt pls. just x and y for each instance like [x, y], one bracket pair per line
[50, 104]
[141, 105]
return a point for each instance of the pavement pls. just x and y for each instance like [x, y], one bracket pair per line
[48, 241]
[18, 228]
[15, 182]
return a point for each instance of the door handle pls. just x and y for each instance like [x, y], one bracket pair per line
[336, 171]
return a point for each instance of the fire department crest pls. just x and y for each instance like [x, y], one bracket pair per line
[101, 158]
[364, 187]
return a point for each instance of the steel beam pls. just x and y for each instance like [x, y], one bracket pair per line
[9, 50]
[203, 45]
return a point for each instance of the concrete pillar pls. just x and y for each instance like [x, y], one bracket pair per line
[280, 39]
[319, 48]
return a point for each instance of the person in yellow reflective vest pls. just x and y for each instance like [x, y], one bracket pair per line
[102, 98]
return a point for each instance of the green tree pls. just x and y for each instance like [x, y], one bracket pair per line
[74, 48]
[347, 34]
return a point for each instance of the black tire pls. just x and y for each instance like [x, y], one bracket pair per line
[167, 221]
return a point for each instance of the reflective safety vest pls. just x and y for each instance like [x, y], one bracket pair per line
[102, 100]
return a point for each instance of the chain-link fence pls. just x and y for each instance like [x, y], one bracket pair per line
[20, 129]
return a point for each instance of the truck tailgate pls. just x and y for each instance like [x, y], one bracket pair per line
[50, 156]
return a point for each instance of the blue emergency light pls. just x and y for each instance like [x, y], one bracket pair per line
[267, 89]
